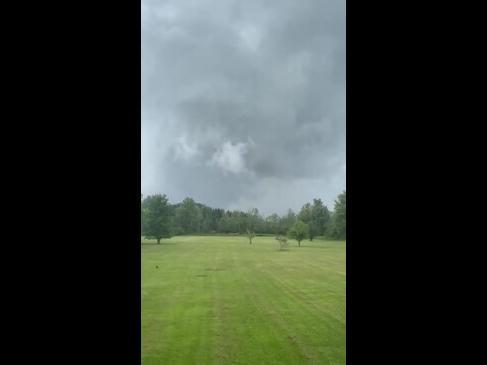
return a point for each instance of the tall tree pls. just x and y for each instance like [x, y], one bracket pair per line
[306, 215]
[272, 224]
[339, 221]
[287, 222]
[188, 217]
[142, 218]
[316, 216]
[217, 216]
[251, 223]
[320, 218]
[156, 217]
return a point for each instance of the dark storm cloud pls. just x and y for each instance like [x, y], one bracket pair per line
[243, 102]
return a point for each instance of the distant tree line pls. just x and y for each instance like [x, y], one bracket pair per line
[160, 219]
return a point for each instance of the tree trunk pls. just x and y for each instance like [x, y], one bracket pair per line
[158, 241]
[299, 243]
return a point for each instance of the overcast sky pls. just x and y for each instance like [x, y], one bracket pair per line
[243, 102]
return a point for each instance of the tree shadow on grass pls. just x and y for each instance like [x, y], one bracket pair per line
[313, 246]
[157, 244]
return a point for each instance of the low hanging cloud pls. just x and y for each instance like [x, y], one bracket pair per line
[230, 158]
[183, 150]
[243, 102]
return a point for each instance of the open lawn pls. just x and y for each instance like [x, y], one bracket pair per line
[219, 300]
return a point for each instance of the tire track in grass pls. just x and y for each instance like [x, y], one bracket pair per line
[299, 294]
[256, 334]
[289, 323]
[156, 340]
[276, 322]
[317, 316]
[300, 297]
[226, 342]
[297, 302]
[204, 334]
[280, 327]
[174, 306]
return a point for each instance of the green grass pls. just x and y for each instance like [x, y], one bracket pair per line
[219, 300]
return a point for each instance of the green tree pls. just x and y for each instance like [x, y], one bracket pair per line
[217, 217]
[272, 224]
[317, 216]
[282, 242]
[252, 218]
[320, 218]
[223, 224]
[188, 217]
[250, 235]
[306, 215]
[299, 231]
[156, 217]
[339, 221]
[287, 222]
[142, 219]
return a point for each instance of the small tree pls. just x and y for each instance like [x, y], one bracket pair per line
[250, 235]
[251, 222]
[282, 242]
[299, 231]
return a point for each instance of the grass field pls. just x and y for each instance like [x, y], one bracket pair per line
[219, 300]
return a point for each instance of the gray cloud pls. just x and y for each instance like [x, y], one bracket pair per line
[243, 102]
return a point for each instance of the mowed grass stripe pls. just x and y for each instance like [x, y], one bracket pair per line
[311, 322]
[219, 300]
[264, 338]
